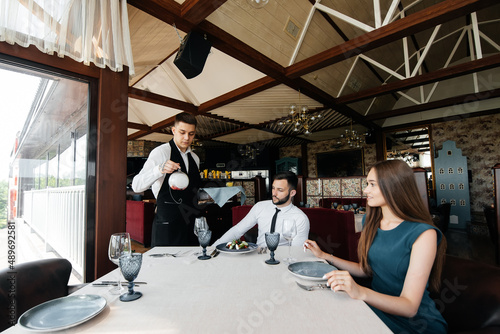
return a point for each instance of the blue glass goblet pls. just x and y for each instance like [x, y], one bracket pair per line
[272, 241]
[346, 207]
[130, 265]
[355, 207]
[335, 204]
[204, 237]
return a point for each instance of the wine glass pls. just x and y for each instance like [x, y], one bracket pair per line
[200, 223]
[289, 232]
[272, 241]
[335, 204]
[119, 244]
[130, 265]
[355, 207]
[204, 237]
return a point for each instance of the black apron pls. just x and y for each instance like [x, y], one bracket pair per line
[177, 209]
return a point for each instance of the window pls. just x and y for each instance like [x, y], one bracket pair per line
[453, 202]
[441, 170]
[460, 170]
[461, 186]
[443, 200]
[451, 186]
[442, 186]
[450, 170]
[463, 203]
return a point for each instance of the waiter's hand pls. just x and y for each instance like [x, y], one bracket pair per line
[169, 167]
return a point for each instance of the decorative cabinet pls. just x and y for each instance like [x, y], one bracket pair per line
[452, 183]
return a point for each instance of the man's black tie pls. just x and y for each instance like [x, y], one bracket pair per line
[273, 222]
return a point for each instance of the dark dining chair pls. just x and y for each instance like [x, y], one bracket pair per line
[29, 284]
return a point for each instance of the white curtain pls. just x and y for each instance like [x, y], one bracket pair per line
[88, 31]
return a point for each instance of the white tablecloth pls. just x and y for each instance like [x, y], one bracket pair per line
[226, 294]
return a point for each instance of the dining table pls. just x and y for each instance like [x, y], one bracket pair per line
[233, 292]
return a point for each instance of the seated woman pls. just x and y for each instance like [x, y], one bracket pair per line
[399, 248]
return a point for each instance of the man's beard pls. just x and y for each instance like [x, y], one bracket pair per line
[283, 200]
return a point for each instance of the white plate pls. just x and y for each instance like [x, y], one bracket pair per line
[311, 270]
[62, 313]
[251, 247]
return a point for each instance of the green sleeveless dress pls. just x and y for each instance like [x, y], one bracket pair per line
[389, 258]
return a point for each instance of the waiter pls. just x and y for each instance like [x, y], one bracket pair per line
[175, 209]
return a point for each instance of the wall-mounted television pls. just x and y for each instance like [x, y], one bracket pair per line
[340, 163]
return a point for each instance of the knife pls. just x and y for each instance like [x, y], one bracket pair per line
[216, 253]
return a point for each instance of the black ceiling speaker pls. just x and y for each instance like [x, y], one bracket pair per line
[192, 54]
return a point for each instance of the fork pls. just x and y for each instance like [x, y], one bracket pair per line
[312, 287]
[179, 253]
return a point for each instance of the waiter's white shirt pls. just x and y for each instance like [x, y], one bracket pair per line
[150, 175]
[262, 213]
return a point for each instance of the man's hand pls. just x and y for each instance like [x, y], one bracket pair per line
[169, 167]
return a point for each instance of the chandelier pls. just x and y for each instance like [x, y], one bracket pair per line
[300, 118]
[196, 143]
[353, 138]
[248, 151]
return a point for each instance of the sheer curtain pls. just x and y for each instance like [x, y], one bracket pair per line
[88, 31]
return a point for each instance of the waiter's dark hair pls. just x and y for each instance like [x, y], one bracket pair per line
[290, 177]
[185, 118]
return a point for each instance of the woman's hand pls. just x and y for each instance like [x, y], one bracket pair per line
[340, 280]
[314, 248]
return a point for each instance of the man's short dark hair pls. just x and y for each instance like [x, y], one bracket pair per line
[185, 118]
[290, 177]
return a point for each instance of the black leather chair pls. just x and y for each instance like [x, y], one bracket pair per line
[441, 216]
[469, 298]
[30, 284]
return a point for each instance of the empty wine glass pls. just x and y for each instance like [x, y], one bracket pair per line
[204, 237]
[130, 265]
[272, 241]
[200, 223]
[355, 207]
[289, 232]
[119, 244]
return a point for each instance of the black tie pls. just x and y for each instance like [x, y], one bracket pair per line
[273, 222]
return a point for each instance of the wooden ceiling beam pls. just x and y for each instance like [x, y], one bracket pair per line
[452, 101]
[165, 101]
[195, 11]
[252, 88]
[138, 126]
[429, 17]
[427, 78]
[166, 11]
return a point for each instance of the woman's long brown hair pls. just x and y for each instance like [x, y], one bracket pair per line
[398, 186]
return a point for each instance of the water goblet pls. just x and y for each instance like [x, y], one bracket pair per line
[130, 265]
[204, 237]
[119, 244]
[355, 207]
[200, 223]
[346, 207]
[272, 241]
[335, 205]
[289, 232]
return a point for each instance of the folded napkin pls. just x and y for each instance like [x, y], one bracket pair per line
[221, 195]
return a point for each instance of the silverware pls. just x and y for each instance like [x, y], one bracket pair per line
[116, 284]
[216, 253]
[169, 254]
[312, 287]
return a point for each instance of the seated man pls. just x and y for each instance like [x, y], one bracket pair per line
[279, 208]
